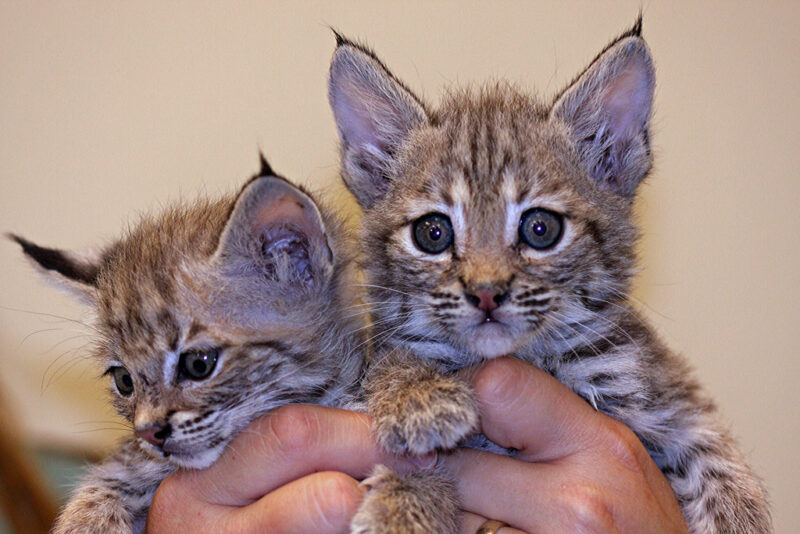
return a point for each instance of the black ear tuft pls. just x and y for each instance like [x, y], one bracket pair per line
[265, 169]
[636, 31]
[58, 261]
[340, 39]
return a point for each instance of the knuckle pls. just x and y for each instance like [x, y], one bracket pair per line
[158, 513]
[625, 447]
[295, 429]
[172, 495]
[335, 497]
[168, 493]
[587, 508]
[496, 382]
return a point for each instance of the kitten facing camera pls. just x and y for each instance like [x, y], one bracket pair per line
[500, 224]
[208, 316]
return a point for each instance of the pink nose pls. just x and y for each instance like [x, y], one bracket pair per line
[155, 434]
[486, 299]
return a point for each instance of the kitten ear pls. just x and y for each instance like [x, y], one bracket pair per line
[74, 271]
[608, 110]
[374, 113]
[275, 230]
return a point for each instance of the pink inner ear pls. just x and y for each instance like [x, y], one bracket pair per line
[625, 100]
[360, 113]
[285, 210]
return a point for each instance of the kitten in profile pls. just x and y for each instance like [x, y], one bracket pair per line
[500, 224]
[208, 316]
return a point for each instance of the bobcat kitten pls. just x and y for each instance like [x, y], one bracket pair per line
[208, 316]
[499, 224]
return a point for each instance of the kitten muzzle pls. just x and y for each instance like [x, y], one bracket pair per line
[155, 434]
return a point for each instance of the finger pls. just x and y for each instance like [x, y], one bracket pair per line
[559, 496]
[287, 444]
[470, 523]
[174, 509]
[502, 488]
[524, 408]
[323, 502]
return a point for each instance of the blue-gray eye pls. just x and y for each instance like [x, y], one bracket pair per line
[198, 364]
[541, 228]
[433, 233]
[123, 380]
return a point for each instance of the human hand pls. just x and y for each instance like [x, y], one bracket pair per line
[293, 470]
[576, 470]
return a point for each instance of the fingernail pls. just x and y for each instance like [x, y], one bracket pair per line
[425, 461]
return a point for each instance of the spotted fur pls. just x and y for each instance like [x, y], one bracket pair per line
[262, 278]
[484, 158]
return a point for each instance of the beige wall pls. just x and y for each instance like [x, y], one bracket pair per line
[107, 110]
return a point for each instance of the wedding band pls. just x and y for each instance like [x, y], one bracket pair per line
[491, 526]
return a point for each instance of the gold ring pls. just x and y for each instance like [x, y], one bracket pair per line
[491, 526]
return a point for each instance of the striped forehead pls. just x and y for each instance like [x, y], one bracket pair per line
[484, 210]
[139, 333]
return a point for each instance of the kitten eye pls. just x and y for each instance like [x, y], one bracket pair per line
[541, 228]
[198, 364]
[123, 380]
[433, 233]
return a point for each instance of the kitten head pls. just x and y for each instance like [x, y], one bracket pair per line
[215, 312]
[496, 218]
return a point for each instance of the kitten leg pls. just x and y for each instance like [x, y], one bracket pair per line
[415, 408]
[115, 495]
[416, 503]
[715, 488]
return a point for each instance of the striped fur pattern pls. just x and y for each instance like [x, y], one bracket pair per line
[483, 159]
[261, 280]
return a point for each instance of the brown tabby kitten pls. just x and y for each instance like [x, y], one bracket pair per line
[208, 316]
[501, 225]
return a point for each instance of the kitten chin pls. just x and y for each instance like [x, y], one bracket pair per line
[491, 340]
[186, 459]
[198, 460]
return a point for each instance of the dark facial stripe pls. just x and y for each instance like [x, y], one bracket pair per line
[283, 348]
[195, 329]
[168, 324]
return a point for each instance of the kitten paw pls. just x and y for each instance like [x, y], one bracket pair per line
[89, 524]
[418, 503]
[436, 415]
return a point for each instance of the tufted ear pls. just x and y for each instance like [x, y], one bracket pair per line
[608, 110]
[374, 113]
[74, 271]
[275, 230]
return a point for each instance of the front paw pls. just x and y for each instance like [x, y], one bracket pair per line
[436, 413]
[417, 503]
[95, 510]
[89, 522]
